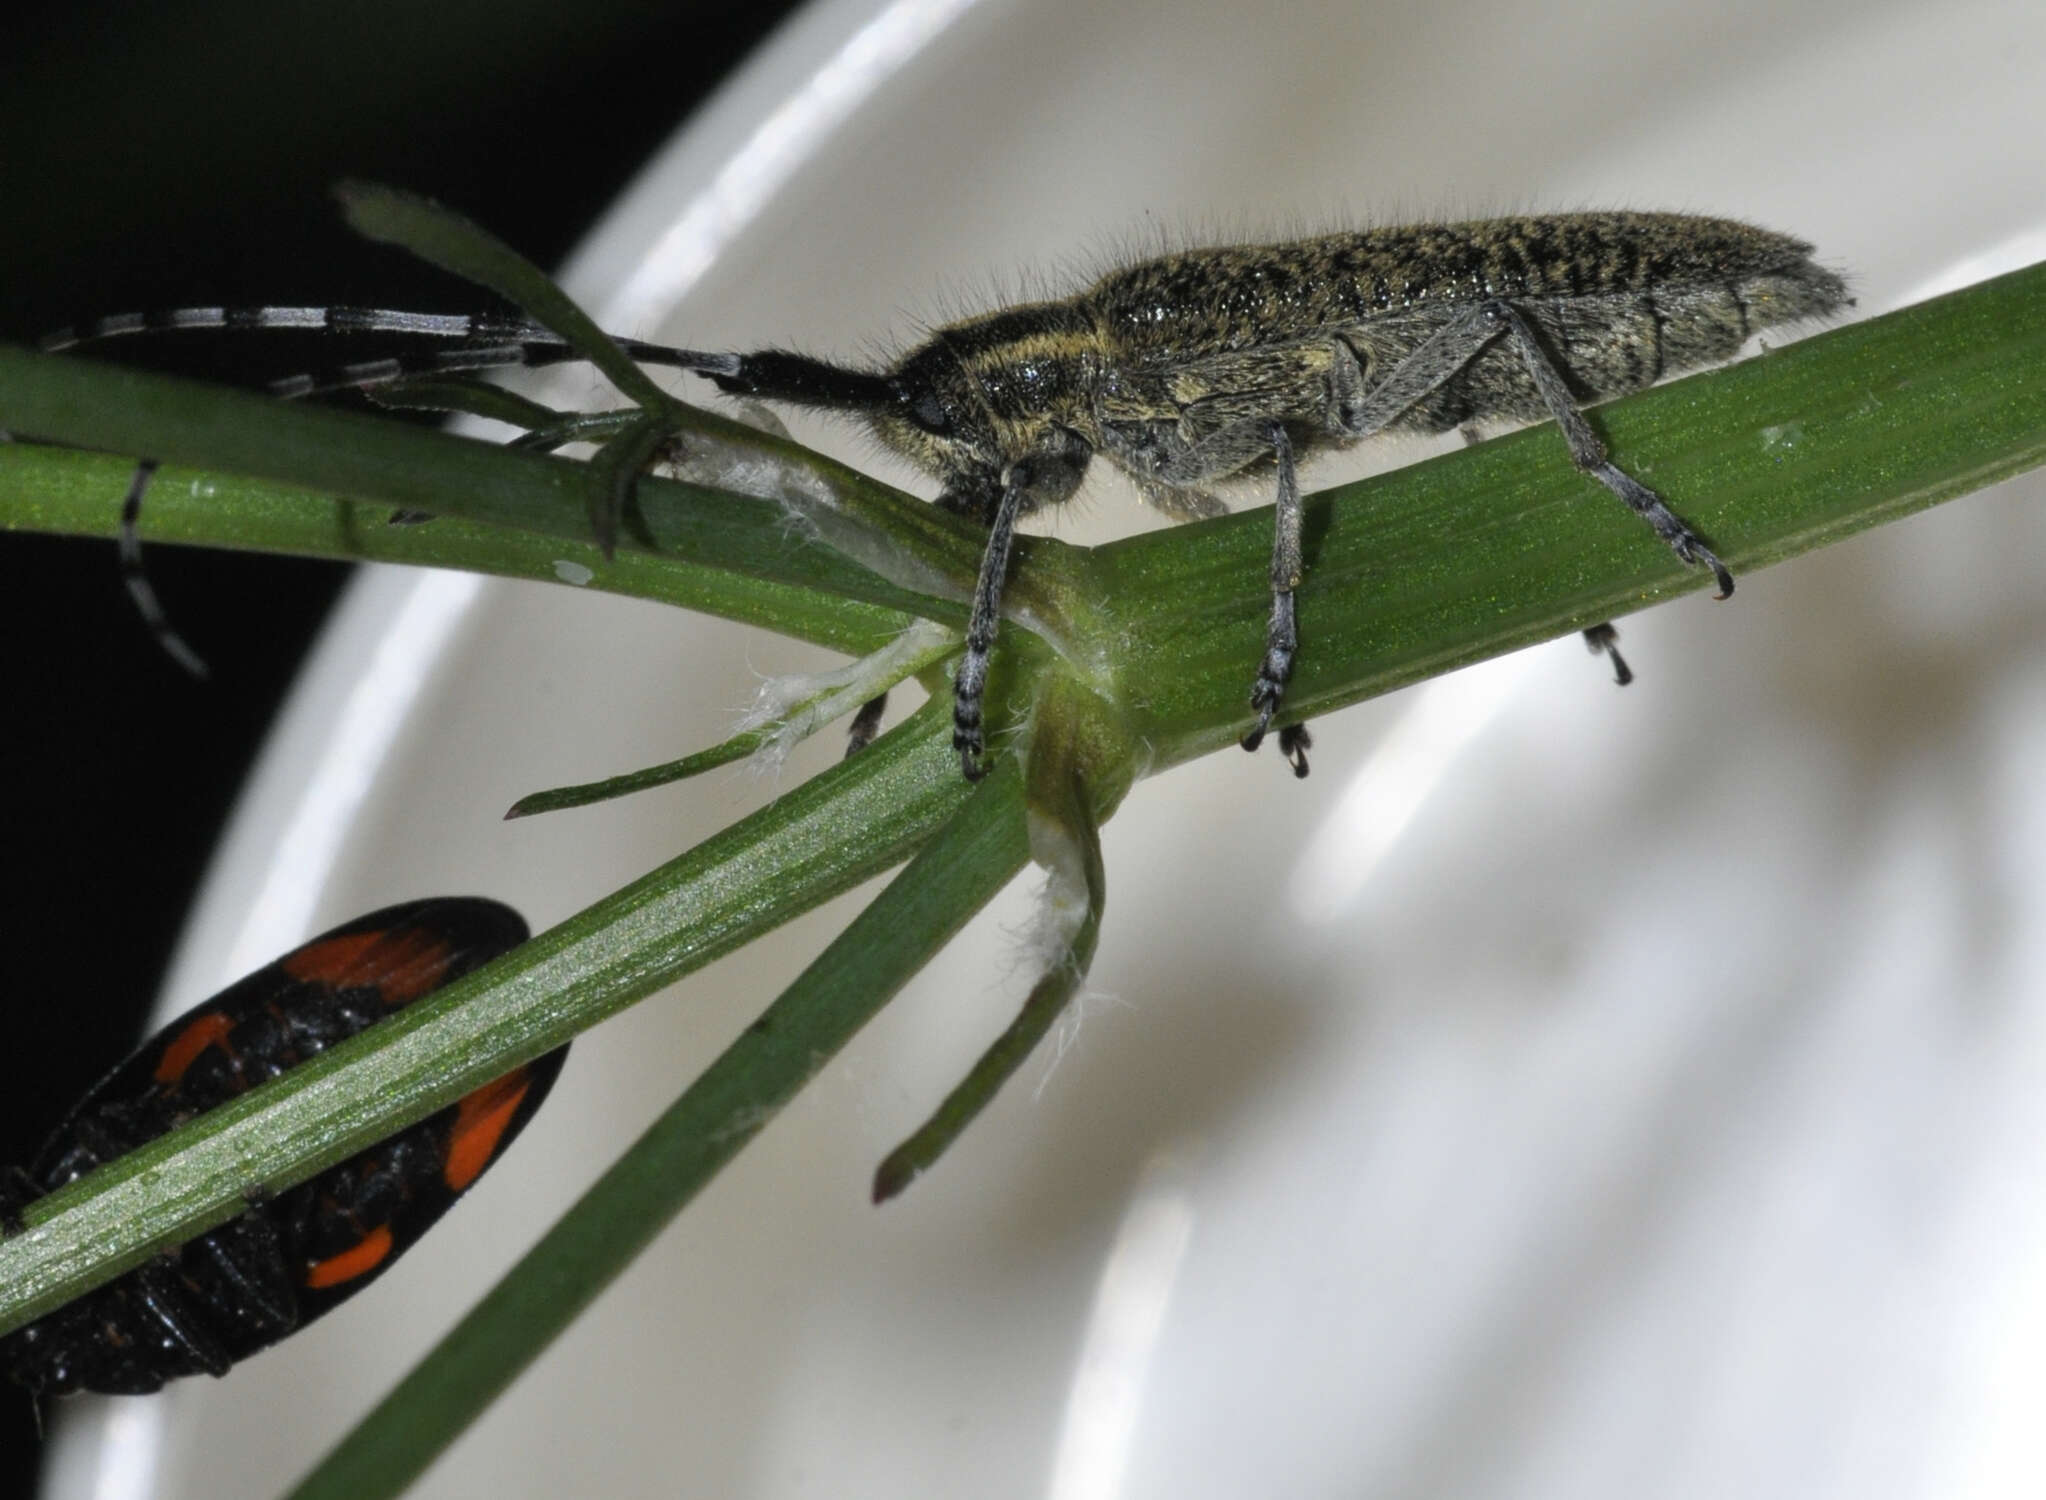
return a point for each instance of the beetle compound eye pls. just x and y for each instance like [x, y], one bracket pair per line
[928, 412]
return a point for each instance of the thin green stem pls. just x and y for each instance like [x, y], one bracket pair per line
[786, 720]
[319, 453]
[1065, 840]
[439, 235]
[957, 872]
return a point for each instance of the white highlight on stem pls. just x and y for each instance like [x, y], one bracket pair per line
[1062, 903]
[1046, 941]
[802, 703]
[812, 507]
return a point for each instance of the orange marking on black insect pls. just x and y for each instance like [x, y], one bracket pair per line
[206, 1304]
[207, 1030]
[401, 962]
[480, 1123]
[365, 1255]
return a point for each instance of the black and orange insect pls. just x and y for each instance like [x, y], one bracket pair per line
[291, 1257]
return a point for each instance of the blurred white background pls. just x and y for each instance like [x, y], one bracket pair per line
[1565, 1092]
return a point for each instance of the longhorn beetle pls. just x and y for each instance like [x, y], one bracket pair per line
[1198, 366]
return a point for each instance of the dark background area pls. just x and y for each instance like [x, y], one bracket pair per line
[155, 156]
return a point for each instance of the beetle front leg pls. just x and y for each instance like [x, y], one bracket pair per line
[969, 687]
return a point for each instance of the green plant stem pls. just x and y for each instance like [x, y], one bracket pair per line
[1065, 840]
[957, 872]
[65, 492]
[319, 453]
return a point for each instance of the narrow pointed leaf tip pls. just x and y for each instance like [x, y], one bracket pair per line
[442, 237]
[1066, 841]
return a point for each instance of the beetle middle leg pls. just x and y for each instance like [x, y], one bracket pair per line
[1170, 456]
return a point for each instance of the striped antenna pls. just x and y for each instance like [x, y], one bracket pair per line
[483, 342]
[136, 577]
[480, 342]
